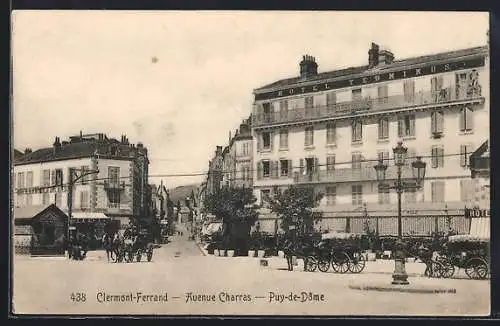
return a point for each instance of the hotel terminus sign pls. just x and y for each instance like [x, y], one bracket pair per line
[322, 86]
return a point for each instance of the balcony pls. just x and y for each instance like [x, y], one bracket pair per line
[114, 185]
[364, 174]
[445, 96]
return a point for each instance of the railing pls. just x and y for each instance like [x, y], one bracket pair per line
[110, 185]
[365, 173]
[449, 94]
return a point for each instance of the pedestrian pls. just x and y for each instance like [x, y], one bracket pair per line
[288, 251]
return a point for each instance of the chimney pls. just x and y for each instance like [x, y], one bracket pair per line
[57, 145]
[308, 66]
[27, 151]
[218, 150]
[140, 145]
[385, 57]
[229, 135]
[373, 55]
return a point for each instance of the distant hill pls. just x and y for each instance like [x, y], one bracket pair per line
[181, 192]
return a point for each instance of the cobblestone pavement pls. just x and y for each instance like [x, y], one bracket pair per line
[239, 285]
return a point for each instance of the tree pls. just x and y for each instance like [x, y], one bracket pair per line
[238, 211]
[296, 203]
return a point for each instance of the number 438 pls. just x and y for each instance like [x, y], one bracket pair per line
[78, 297]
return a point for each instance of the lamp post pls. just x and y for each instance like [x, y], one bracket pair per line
[418, 168]
[71, 183]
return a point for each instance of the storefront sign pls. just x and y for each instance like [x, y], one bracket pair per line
[395, 75]
[37, 190]
[476, 213]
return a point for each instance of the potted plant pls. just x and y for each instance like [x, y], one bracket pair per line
[230, 253]
[261, 252]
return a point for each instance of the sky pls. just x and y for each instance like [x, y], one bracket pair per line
[179, 82]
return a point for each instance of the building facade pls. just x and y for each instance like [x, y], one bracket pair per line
[326, 131]
[119, 189]
[237, 158]
[215, 169]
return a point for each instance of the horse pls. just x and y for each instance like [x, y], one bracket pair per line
[107, 243]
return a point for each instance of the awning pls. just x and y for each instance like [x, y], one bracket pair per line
[480, 227]
[28, 212]
[211, 228]
[89, 216]
[338, 235]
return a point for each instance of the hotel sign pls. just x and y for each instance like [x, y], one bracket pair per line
[37, 190]
[321, 86]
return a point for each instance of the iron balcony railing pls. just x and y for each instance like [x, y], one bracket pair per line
[445, 95]
[114, 185]
[364, 173]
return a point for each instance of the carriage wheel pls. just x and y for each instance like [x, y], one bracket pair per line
[448, 269]
[476, 268]
[311, 263]
[357, 263]
[324, 264]
[437, 269]
[482, 269]
[150, 255]
[340, 263]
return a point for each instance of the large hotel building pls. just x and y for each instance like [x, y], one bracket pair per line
[326, 131]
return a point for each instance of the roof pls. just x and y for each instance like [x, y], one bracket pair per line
[89, 215]
[360, 69]
[79, 149]
[17, 154]
[29, 212]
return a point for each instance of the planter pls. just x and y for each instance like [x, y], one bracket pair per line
[281, 254]
[222, 253]
[216, 252]
[261, 253]
[295, 261]
[251, 253]
[230, 253]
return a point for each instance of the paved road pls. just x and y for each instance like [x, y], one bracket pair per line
[46, 286]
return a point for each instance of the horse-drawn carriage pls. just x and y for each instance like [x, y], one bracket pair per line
[462, 252]
[340, 251]
[125, 246]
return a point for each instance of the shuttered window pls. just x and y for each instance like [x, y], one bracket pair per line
[330, 163]
[383, 94]
[357, 158]
[466, 119]
[309, 136]
[437, 122]
[357, 195]
[283, 138]
[384, 157]
[467, 191]
[409, 91]
[285, 167]
[437, 191]
[384, 196]
[357, 131]
[437, 156]
[383, 128]
[465, 151]
[331, 195]
[266, 169]
[406, 126]
[331, 98]
[331, 132]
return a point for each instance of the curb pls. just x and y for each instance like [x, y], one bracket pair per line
[403, 288]
[201, 249]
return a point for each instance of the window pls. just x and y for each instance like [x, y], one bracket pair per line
[46, 178]
[309, 136]
[437, 191]
[266, 169]
[113, 199]
[357, 195]
[45, 198]
[246, 171]
[437, 156]
[409, 91]
[357, 131]
[20, 180]
[330, 164]
[467, 190]
[29, 179]
[84, 199]
[436, 87]
[411, 156]
[85, 179]
[466, 119]
[356, 95]
[384, 156]
[384, 196]
[383, 128]
[264, 197]
[113, 175]
[58, 199]
[283, 139]
[59, 177]
[309, 102]
[266, 108]
[266, 140]
[410, 196]
[245, 149]
[285, 166]
[72, 174]
[283, 109]
[357, 158]
[406, 126]
[331, 98]
[383, 94]
[465, 151]
[29, 200]
[437, 122]
[331, 195]
[331, 132]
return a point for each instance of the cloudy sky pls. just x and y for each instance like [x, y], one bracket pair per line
[180, 81]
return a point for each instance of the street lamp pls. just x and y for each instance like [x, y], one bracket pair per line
[418, 168]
